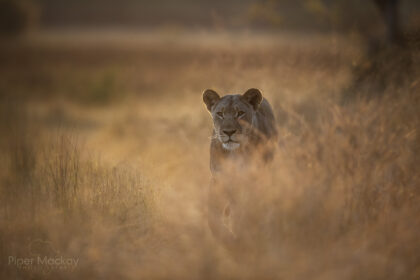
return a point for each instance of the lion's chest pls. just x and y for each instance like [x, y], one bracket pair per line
[230, 161]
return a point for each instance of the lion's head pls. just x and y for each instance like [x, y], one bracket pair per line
[233, 116]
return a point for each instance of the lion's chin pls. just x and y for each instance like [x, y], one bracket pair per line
[230, 146]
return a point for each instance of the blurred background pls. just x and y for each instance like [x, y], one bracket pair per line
[104, 138]
[303, 15]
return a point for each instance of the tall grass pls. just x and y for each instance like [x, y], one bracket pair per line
[51, 192]
[339, 201]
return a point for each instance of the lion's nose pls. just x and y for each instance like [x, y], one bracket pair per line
[229, 132]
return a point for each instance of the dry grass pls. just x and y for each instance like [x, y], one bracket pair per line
[105, 157]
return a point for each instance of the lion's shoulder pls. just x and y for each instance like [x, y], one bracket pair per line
[265, 120]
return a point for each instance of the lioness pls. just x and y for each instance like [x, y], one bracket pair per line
[242, 123]
[243, 126]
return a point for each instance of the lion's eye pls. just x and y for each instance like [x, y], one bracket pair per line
[220, 114]
[240, 114]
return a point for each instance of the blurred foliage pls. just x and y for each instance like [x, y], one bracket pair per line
[185, 13]
[103, 89]
[381, 69]
[344, 14]
[308, 15]
[339, 14]
[261, 12]
[18, 16]
[382, 65]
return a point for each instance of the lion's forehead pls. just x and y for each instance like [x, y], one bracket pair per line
[231, 103]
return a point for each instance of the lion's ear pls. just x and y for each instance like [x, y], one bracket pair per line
[254, 97]
[210, 97]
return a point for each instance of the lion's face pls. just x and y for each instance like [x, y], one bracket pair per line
[232, 116]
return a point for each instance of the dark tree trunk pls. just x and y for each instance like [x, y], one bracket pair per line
[389, 11]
